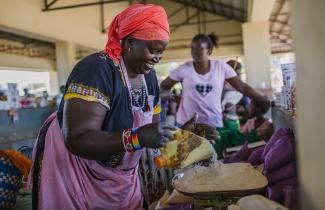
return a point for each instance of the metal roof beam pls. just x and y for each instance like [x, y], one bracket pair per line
[279, 21]
[276, 14]
[184, 22]
[222, 5]
[207, 21]
[81, 5]
[184, 46]
[220, 36]
[175, 12]
[192, 4]
[48, 5]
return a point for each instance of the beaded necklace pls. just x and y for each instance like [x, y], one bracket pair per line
[139, 96]
[136, 94]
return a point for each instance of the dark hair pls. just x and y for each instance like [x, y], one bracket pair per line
[211, 39]
[234, 64]
[262, 108]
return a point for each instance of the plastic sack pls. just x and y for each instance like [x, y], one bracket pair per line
[255, 156]
[275, 192]
[281, 153]
[285, 172]
[291, 199]
[239, 156]
[274, 138]
[230, 159]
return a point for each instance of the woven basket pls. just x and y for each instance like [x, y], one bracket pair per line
[10, 181]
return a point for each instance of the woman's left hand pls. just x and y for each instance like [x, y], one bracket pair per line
[155, 135]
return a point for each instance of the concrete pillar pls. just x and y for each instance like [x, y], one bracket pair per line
[54, 83]
[309, 46]
[257, 50]
[65, 60]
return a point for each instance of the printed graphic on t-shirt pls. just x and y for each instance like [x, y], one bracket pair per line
[203, 89]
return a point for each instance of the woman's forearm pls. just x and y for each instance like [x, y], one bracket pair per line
[254, 95]
[95, 145]
[164, 94]
[165, 88]
[248, 91]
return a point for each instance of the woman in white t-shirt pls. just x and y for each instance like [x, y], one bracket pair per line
[202, 83]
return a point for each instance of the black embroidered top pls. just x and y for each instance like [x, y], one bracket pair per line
[98, 79]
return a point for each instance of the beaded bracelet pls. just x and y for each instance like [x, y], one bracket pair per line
[135, 139]
[127, 140]
[131, 140]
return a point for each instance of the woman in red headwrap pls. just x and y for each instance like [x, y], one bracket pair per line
[87, 154]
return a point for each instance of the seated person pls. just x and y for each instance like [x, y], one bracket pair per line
[229, 93]
[261, 125]
[242, 111]
[230, 117]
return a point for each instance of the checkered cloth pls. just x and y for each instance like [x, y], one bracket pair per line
[204, 89]
[10, 180]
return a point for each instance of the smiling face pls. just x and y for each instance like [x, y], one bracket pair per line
[200, 51]
[140, 56]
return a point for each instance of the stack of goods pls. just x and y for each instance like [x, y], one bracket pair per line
[278, 157]
[183, 150]
[13, 96]
[280, 168]
[294, 102]
[286, 98]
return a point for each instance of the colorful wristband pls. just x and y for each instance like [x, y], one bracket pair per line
[130, 140]
[135, 139]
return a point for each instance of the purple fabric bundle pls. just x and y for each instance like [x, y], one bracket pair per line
[230, 159]
[291, 199]
[274, 138]
[285, 172]
[239, 156]
[255, 157]
[280, 167]
[275, 192]
[281, 153]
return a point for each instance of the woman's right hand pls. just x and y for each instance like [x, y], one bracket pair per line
[154, 135]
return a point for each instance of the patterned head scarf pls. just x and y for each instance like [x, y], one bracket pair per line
[144, 22]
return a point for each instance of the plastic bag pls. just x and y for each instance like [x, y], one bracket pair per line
[274, 138]
[281, 153]
[239, 156]
[255, 156]
[275, 192]
[285, 172]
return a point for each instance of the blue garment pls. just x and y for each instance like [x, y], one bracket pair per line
[163, 113]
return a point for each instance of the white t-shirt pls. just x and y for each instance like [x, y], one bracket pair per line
[201, 94]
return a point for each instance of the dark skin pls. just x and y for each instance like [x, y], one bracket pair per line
[83, 120]
[256, 112]
[200, 53]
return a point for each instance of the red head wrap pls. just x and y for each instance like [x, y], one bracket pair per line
[144, 22]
